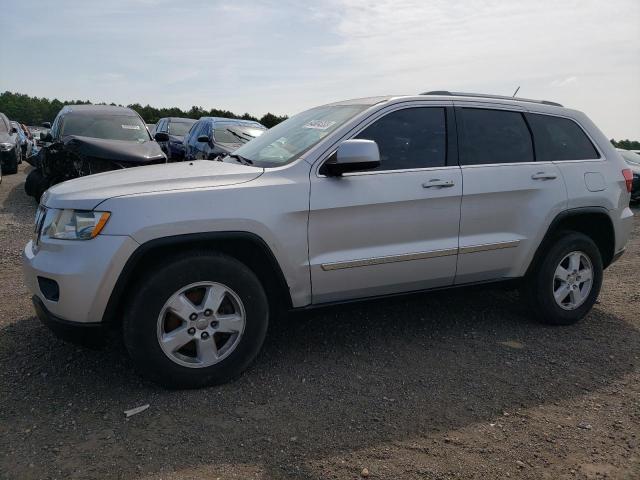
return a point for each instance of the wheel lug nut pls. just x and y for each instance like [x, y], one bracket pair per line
[191, 331]
[193, 316]
[204, 335]
[214, 324]
[207, 312]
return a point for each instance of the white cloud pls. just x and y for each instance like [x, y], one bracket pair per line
[283, 56]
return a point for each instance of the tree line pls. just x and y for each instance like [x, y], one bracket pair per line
[626, 144]
[34, 111]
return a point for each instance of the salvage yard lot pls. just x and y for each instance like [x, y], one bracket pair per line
[457, 384]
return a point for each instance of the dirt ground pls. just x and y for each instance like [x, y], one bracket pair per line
[457, 384]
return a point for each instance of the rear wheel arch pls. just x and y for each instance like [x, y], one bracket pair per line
[593, 222]
[246, 247]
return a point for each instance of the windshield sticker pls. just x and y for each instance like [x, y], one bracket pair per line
[131, 127]
[319, 124]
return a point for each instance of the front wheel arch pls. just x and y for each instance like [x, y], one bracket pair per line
[246, 247]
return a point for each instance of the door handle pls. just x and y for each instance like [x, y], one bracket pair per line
[436, 182]
[543, 176]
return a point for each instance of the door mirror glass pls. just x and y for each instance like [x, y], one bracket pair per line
[161, 137]
[352, 156]
[203, 138]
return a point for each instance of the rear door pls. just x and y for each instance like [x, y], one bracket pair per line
[509, 199]
[395, 228]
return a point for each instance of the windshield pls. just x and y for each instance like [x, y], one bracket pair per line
[111, 127]
[631, 157]
[180, 129]
[288, 140]
[230, 133]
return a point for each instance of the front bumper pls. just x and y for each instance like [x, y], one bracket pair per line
[84, 271]
[80, 333]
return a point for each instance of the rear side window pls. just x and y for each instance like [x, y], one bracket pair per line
[559, 139]
[494, 136]
[410, 138]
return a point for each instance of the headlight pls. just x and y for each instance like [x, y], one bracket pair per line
[73, 224]
[5, 146]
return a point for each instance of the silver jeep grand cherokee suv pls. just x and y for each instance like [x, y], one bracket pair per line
[356, 199]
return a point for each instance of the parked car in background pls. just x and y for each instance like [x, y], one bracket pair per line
[10, 150]
[358, 199]
[633, 160]
[88, 139]
[41, 132]
[211, 137]
[172, 131]
[26, 140]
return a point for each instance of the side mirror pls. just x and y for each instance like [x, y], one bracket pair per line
[352, 156]
[203, 138]
[14, 130]
[161, 137]
[46, 124]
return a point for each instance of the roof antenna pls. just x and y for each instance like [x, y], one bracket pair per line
[514, 93]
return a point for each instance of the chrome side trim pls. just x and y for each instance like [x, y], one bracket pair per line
[405, 257]
[489, 246]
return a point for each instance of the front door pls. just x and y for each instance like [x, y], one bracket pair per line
[395, 228]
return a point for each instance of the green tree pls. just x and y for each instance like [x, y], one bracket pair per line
[34, 111]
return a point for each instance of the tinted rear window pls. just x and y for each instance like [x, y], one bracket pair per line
[559, 139]
[494, 136]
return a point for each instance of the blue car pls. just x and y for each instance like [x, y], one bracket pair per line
[169, 133]
[211, 137]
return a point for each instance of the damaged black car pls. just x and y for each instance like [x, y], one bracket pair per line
[88, 139]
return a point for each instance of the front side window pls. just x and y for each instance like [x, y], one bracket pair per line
[494, 136]
[559, 138]
[288, 140]
[410, 138]
[108, 127]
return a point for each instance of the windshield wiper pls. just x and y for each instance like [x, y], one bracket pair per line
[238, 135]
[240, 159]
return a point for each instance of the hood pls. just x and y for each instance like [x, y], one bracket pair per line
[121, 151]
[85, 193]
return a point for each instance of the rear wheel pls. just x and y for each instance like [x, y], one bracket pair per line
[566, 283]
[197, 321]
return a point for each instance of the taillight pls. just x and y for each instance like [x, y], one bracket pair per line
[628, 178]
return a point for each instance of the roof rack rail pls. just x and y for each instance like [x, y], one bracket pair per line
[482, 95]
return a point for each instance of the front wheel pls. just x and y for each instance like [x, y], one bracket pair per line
[565, 285]
[198, 320]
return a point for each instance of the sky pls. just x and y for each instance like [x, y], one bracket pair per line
[285, 56]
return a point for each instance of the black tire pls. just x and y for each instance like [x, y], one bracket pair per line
[538, 287]
[35, 184]
[154, 290]
[11, 166]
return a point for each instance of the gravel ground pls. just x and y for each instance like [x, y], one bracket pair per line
[457, 384]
